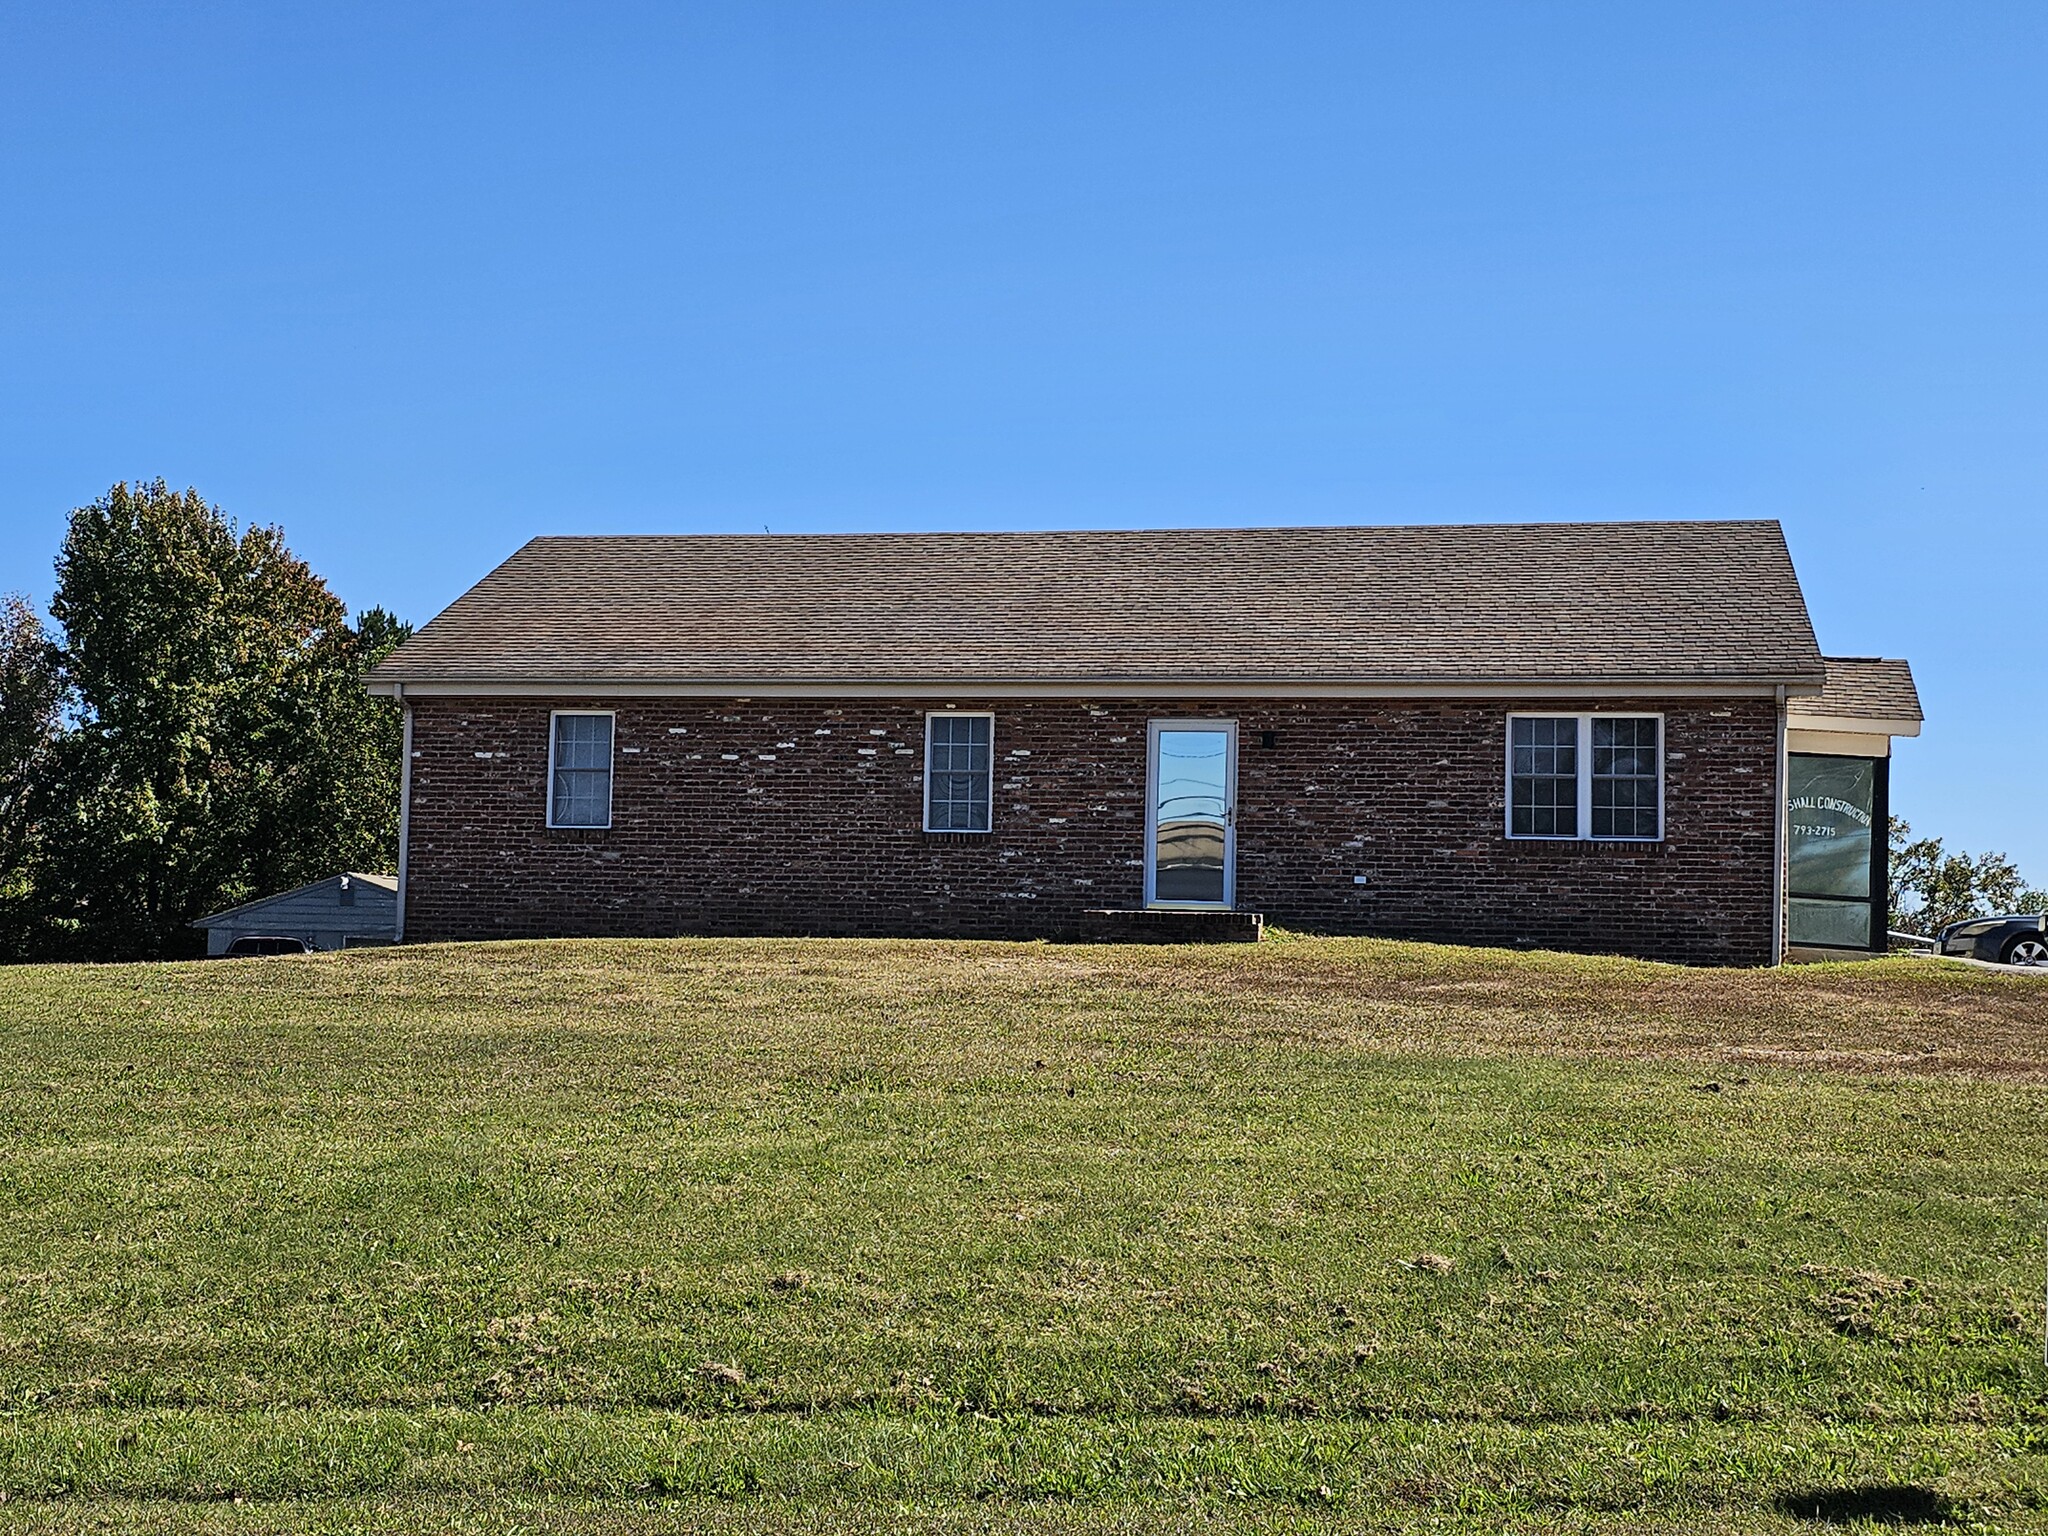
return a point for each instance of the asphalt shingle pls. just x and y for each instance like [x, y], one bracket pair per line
[1864, 688]
[1656, 601]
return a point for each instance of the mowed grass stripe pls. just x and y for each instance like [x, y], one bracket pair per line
[935, 1454]
[609, 1207]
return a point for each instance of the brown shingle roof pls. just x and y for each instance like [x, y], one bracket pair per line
[1497, 602]
[1864, 688]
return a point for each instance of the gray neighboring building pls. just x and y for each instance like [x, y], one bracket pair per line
[340, 912]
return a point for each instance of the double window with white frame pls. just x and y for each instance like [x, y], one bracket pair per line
[580, 768]
[1587, 777]
[959, 771]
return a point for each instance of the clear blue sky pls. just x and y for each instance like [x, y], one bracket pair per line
[418, 281]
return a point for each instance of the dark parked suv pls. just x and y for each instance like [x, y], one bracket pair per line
[2005, 940]
[264, 944]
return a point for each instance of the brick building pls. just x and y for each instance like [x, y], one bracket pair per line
[1567, 735]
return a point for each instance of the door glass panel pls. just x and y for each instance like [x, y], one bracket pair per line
[1193, 789]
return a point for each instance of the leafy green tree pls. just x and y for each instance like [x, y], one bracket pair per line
[1932, 887]
[223, 746]
[31, 718]
[338, 808]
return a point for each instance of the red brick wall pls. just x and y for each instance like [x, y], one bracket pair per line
[796, 816]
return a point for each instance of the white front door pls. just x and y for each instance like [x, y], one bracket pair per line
[1191, 814]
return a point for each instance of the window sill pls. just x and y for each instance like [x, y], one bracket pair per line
[1613, 845]
[955, 837]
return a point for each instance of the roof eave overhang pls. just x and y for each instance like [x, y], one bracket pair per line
[1856, 725]
[1590, 686]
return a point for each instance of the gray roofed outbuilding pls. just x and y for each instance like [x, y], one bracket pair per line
[340, 912]
[1430, 606]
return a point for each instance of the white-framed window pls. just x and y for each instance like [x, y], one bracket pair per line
[580, 768]
[1590, 777]
[959, 770]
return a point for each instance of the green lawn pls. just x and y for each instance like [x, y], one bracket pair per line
[838, 1236]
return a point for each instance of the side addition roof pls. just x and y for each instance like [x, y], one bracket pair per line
[1863, 692]
[1293, 609]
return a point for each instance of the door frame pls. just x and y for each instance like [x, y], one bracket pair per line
[1153, 730]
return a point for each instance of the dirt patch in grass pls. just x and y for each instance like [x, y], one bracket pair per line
[1898, 1015]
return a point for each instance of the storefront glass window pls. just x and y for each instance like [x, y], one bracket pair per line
[1833, 849]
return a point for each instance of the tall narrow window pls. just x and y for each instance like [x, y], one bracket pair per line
[1625, 776]
[1586, 777]
[580, 771]
[959, 772]
[1544, 776]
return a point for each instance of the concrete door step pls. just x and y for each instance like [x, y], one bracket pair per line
[1173, 925]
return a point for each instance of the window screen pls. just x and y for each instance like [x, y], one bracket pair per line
[1625, 777]
[1544, 784]
[580, 791]
[959, 772]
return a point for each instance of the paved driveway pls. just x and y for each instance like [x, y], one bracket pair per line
[2039, 971]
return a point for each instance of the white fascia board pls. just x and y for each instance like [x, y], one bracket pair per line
[1853, 725]
[741, 688]
[1839, 743]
